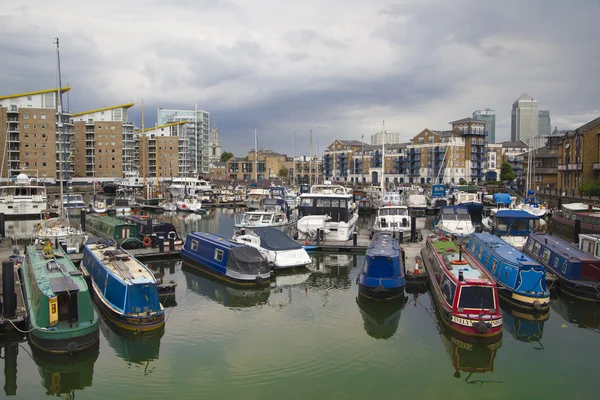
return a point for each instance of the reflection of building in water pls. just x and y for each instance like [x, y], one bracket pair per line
[64, 374]
[202, 283]
[381, 318]
[585, 314]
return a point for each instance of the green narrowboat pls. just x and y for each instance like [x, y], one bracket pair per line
[58, 301]
[111, 227]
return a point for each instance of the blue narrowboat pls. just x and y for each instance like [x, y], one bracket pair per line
[513, 226]
[231, 261]
[521, 280]
[382, 275]
[578, 273]
[125, 290]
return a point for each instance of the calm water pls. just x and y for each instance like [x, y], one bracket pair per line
[313, 340]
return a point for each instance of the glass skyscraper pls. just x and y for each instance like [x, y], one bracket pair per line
[545, 124]
[488, 116]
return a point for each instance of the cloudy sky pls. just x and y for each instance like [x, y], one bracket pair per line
[343, 66]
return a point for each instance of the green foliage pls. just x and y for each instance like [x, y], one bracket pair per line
[245, 158]
[507, 173]
[226, 156]
[283, 172]
[462, 182]
[590, 188]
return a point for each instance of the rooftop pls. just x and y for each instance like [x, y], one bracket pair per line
[468, 120]
[14, 96]
[127, 105]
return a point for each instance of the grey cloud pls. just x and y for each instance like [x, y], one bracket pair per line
[306, 37]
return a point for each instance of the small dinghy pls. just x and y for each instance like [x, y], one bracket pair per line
[382, 276]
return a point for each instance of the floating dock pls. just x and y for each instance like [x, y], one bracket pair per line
[8, 321]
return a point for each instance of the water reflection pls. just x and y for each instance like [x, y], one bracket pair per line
[10, 344]
[585, 314]
[165, 270]
[133, 347]
[222, 293]
[381, 318]
[470, 357]
[64, 374]
[332, 270]
[523, 326]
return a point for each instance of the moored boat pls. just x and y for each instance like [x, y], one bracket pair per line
[382, 275]
[513, 226]
[226, 259]
[156, 231]
[58, 301]
[465, 296]
[455, 221]
[125, 290]
[23, 198]
[392, 219]
[587, 214]
[189, 204]
[522, 281]
[111, 227]
[578, 273]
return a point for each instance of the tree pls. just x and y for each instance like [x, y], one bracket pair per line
[507, 173]
[283, 172]
[226, 156]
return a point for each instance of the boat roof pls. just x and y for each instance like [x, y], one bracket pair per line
[579, 207]
[214, 239]
[276, 240]
[594, 236]
[562, 247]
[450, 250]
[128, 269]
[454, 210]
[325, 195]
[515, 214]
[502, 250]
[391, 207]
[54, 275]
[384, 245]
[108, 220]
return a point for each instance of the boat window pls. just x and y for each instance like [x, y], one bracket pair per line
[476, 297]
[546, 255]
[306, 203]
[480, 253]
[325, 203]
[218, 254]
[194, 245]
[494, 266]
[556, 261]
[590, 246]
[487, 258]
[564, 267]
[536, 249]
[266, 218]
[529, 244]
[335, 203]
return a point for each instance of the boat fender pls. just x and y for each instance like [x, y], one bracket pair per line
[458, 262]
[147, 241]
[537, 305]
[258, 279]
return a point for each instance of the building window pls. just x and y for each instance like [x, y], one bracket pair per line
[26, 116]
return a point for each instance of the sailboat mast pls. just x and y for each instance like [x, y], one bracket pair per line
[256, 154]
[310, 151]
[61, 126]
[146, 155]
[383, 160]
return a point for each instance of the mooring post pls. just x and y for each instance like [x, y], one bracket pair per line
[161, 245]
[413, 229]
[401, 237]
[354, 239]
[83, 216]
[2, 226]
[318, 236]
[576, 231]
[9, 298]
[149, 226]
[171, 244]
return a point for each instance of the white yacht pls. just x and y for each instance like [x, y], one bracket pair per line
[254, 198]
[328, 208]
[392, 219]
[73, 201]
[279, 250]
[23, 198]
[57, 229]
[455, 221]
[291, 199]
[260, 219]
[189, 204]
[181, 186]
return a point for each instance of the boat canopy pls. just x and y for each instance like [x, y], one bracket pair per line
[501, 198]
[275, 240]
[246, 260]
[515, 214]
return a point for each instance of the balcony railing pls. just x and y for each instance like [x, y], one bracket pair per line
[596, 166]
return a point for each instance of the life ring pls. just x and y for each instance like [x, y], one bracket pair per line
[172, 235]
[147, 241]
[143, 216]
[458, 262]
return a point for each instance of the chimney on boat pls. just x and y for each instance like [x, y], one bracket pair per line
[460, 276]
[460, 254]
[590, 207]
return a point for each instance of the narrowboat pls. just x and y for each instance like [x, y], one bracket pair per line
[382, 275]
[226, 259]
[455, 221]
[521, 280]
[578, 273]
[111, 227]
[61, 316]
[465, 296]
[589, 243]
[513, 226]
[588, 214]
[380, 320]
[125, 290]
[157, 232]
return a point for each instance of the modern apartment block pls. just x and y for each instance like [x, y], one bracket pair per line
[160, 150]
[104, 143]
[524, 119]
[36, 141]
[197, 131]
[390, 138]
[544, 123]
[489, 116]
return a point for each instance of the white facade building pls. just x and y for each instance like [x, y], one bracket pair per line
[390, 138]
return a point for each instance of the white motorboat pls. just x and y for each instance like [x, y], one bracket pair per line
[72, 201]
[417, 204]
[122, 204]
[391, 199]
[261, 219]
[328, 209]
[254, 198]
[23, 198]
[97, 206]
[57, 229]
[512, 225]
[182, 186]
[279, 250]
[292, 199]
[167, 206]
[189, 204]
[392, 219]
[455, 221]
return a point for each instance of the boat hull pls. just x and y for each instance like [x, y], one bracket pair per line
[254, 281]
[66, 345]
[381, 293]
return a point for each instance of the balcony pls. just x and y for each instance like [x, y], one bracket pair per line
[574, 167]
[596, 166]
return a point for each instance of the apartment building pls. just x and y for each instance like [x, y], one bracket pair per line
[579, 156]
[104, 144]
[160, 150]
[36, 140]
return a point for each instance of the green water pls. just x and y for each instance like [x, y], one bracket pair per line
[312, 340]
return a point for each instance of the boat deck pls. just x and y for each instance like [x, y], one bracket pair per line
[452, 253]
[121, 264]
[21, 312]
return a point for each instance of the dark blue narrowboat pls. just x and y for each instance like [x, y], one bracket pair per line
[125, 290]
[157, 232]
[382, 276]
[522, 281]
[223, 258]
[578, 273]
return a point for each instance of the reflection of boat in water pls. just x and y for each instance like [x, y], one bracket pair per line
[294, 277]
[324, 260]
[64, 374]
[584, 314]
[523, 326]
[10, 342]
[131, 346]
[331, 270]
[476, 357]
[207, 286]
[380, 319]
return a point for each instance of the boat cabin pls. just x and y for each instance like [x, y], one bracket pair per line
[514, 222]
[337, 206]
[563, 258]
[252, 219]
[110, 227]
[455, 213]
[590, 243]
[507, 264]
[383, 257]
[568, 210]
[148, 226]
[277, 192]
